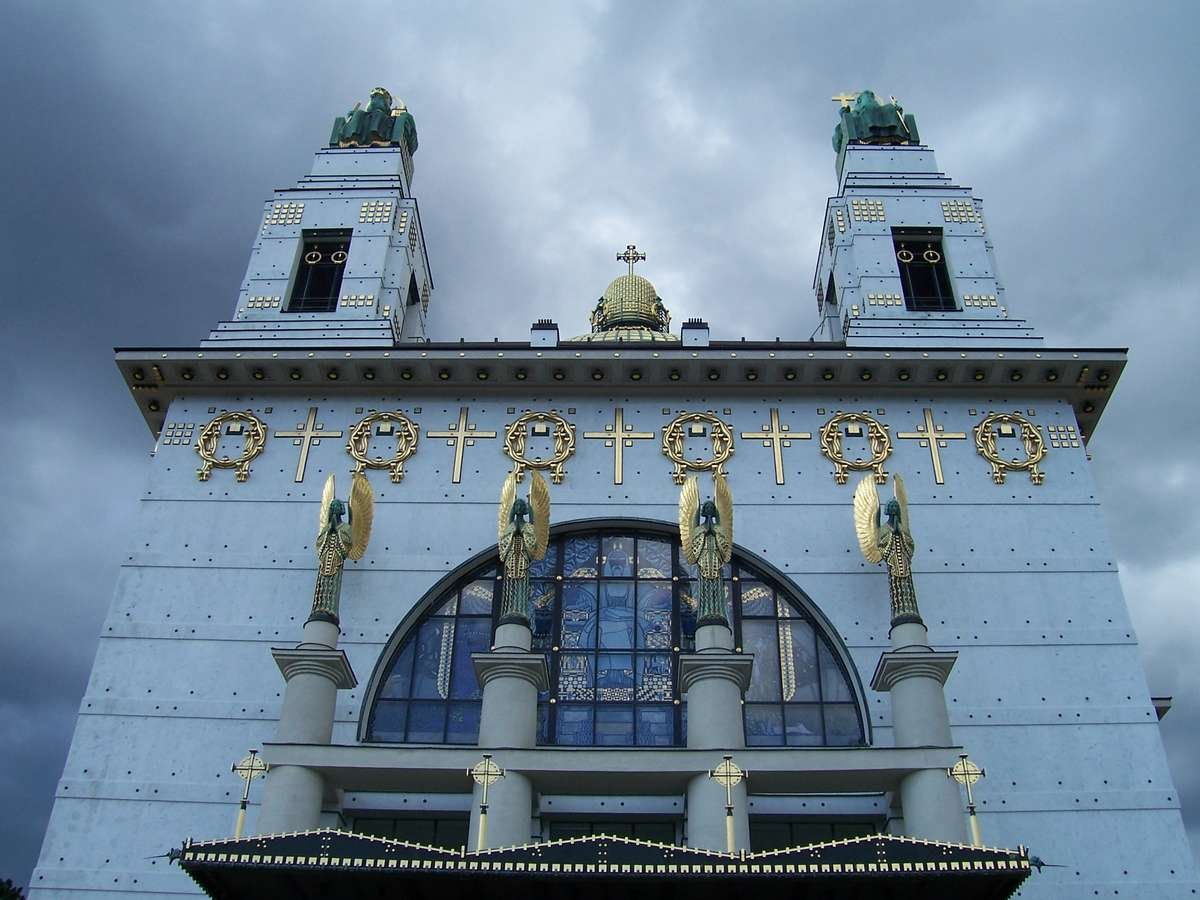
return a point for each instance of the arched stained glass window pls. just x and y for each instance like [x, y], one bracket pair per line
[612, 610]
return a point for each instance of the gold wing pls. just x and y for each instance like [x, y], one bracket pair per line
[326, 498]
[724, 501]
[539, 502]
[689, 503]
[902, 499]
[362, 514]
[508, 493]
[866, 518]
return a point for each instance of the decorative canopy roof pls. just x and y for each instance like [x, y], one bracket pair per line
[630, 309]
[331, 864]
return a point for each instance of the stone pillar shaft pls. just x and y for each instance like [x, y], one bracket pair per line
[714, 678]
[511, 676]
[314, 671]
[915, 674]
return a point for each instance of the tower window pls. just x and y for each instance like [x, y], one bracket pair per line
[319, 276]
[923, 273]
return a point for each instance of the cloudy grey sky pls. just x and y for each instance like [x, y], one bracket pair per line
[142, 139]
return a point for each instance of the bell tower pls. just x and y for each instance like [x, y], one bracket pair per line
[905, 257]
[340, 260]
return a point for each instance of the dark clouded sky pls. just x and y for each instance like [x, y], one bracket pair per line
[142, 138]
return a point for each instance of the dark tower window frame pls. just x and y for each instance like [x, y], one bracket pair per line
[317, 282]
[924, 275]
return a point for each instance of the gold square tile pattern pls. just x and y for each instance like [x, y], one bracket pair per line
[979, 300]
[285, 212]
[1062, 435]
[177, 433]
[868, 210]
[884, 300]
[352, 301]
[959, 211]
[840, 215]
[262, 302]
[375, 211]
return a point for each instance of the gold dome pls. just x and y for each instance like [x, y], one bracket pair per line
[630, 310]
[629, 300]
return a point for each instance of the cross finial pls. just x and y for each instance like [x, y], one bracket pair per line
[631, 255]
[845, 99]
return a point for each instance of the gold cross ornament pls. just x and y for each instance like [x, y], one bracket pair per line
[248, 768]
[728, 774]
[967, 774]
[777, 437]
[845, 99]
[631, 255]
[485, 773]
[933, 436]
[460, 437]
[307, 434]
[619, 436]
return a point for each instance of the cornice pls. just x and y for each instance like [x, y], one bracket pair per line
[1083, 377]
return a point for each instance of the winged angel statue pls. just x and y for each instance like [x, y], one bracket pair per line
[891, 543]
[524, 533]
[706, 533]
[338, 541]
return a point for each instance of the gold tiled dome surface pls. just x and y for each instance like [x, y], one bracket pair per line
[628, 334]
[630, 300]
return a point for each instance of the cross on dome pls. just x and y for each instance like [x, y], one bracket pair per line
[631, 255]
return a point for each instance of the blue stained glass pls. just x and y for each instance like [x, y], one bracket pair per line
[574, 725]
[617, 557]
[614, 677]
[803, 725]
[798, 660]
[833, 682]
[471, 636]
[654, 559]
[760, 638]
[387, 722]
[431, 674]
[547, 566]
[580, 555]
[656, 682]
[579, 615]
[399, 679]
[426, 723]
[764, 725]
[477, 598]
[462, 725]
[614, 726]
[757, 599]
[576, 679]
[654, 615]
[655, 726]
[541, 602]
[842, 727]
[616, 615]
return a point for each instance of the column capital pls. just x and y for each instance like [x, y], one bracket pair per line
[310, 660]
[913, 662]
[529, 667]
[735, 667]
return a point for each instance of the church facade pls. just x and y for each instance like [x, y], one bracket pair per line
[632, 609]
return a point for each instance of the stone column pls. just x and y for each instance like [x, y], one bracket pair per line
[714, 679]
[914, 673]
[314, 671]
[511, 676]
